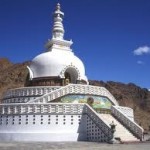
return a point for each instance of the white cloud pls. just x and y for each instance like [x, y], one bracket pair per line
[142, 50]
[140, 62]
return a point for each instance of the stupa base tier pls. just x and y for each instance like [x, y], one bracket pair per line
[8, 137]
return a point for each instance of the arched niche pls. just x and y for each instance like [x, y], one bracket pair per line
[71, 75]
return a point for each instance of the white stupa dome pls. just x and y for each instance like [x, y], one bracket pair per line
[55, 63]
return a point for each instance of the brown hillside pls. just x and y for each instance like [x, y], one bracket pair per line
[14, 75]
[11, 75]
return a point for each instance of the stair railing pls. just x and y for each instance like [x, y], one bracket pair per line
[129, 123]
[91, 113]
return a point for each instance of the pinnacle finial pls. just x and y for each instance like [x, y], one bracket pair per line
[58, 29]
[58, 6]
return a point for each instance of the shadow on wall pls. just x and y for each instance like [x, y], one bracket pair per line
[82, 129]
[88, 129]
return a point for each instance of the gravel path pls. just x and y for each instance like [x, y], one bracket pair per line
[72, 146]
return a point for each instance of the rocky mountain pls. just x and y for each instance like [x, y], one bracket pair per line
[11, 75]
[14, 75]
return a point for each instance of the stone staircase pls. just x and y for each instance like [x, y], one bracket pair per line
[121, 132]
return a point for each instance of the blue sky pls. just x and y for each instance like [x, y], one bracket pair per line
[112, 37]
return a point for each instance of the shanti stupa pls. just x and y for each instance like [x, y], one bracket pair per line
[57, 103]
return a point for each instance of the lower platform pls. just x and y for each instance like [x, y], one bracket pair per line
[42, 137]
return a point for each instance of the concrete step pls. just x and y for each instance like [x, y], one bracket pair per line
[121, 132]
